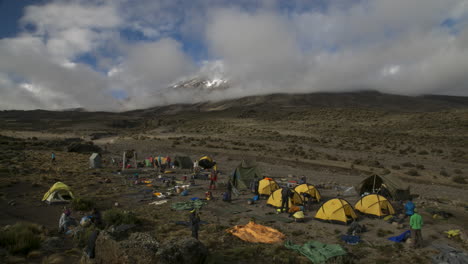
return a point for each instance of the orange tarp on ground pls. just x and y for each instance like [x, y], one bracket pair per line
[256, 233]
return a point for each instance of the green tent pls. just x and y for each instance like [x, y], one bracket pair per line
[244, 174]
[183, 162]
[386, 185]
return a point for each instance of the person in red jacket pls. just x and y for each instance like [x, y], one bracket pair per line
[213, 179]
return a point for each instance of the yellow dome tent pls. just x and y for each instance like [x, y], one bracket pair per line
[275, 199]
[374, 204]
[336, 210]
[310, 189]
[267, 186]
[206, 162]
[58, 193]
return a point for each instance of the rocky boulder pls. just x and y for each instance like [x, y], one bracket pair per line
[137, 248]
[186, 250]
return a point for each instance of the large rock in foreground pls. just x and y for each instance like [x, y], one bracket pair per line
[186, 250]
[138, 248]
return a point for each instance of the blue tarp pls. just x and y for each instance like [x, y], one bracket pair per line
[401, 238]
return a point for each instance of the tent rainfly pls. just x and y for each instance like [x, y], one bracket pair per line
[206, 162]
[336, 211]
[375, 205]
[58, 193]
[275, 199]
[309, 189]
[267, 186]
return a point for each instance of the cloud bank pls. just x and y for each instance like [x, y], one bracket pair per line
[122, 54]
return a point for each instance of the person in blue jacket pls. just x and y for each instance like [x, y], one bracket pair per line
[409, 208]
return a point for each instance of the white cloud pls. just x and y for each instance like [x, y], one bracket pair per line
[393, 46]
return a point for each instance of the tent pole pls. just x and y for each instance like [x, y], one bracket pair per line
[135, 159]
[124, 160]
[373, 186]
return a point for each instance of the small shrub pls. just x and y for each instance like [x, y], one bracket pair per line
[459, 179]
[297, 233]
[420, 167]
[82, 204]
[412, 172]
[396, 167]
[118, 217]
[444, 173]
[21, 238]
[423, 152]
[407, 164]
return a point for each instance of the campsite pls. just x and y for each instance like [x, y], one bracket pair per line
[353, 166]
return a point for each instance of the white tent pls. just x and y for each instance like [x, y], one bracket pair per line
[95, 161]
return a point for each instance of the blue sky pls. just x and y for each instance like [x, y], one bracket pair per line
[127, 54]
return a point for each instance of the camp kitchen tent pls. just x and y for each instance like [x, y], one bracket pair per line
[245, 173]
[386, 185]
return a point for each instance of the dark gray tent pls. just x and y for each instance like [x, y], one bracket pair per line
[183, 162]
[386, 185]
[245, 173]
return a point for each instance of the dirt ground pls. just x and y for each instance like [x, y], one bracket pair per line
[333, 148]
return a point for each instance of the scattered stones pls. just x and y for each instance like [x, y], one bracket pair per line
[52, 244]
[36, 254]
[138, 248]
[187, 250]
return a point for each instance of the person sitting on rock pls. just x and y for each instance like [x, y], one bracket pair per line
[96, 217]
[66, 221]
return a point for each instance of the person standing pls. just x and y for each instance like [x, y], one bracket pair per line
[53, 157]
[409, 208]
[213, 179]
[416, 223]
[303, 180]
[194, 220]
[168, 162]
[285, 193]
[65, 221]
